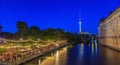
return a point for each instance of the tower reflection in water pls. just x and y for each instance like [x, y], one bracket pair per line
[81, 53]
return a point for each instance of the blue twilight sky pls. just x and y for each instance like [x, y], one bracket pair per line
[55, 13]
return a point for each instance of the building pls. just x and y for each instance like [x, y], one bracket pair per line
[80, 29]
[109, 30]
[83, 37]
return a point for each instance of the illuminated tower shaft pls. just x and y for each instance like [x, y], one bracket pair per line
[80, 26]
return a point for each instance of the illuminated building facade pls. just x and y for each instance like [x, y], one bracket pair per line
[109, 30]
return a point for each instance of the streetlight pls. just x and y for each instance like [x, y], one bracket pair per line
[21, 39]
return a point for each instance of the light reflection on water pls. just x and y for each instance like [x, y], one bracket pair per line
[94, 47]
[80, 54]
[39, 62]
[57, 58]
[81, 49]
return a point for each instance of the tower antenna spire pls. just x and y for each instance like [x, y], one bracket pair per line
[80, 17]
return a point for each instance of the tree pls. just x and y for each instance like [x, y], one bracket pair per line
[23, 29]
[48, 33]
[34, 32]
[59, 33]
[0, 28]
[7, 35]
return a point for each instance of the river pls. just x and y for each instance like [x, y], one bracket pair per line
[79, 54]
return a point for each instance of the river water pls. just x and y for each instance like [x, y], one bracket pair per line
[80, 54]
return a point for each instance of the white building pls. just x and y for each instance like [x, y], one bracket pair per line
[109, 30]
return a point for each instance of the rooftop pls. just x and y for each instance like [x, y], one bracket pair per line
[110, 15]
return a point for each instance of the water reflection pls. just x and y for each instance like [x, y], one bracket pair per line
[39, 62]
[94, 47]
[81, 49]
[57, 58]
[80, 54]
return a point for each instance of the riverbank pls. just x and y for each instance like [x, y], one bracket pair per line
[28, 54]
[111, 47]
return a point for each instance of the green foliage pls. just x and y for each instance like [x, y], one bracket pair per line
[34, 33]
[0, 28]
[2, 50]
[7, 35]
[23, 29]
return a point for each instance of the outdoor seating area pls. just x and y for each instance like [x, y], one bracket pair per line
[18, 52]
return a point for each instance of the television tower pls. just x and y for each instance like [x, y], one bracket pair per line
[80, 23]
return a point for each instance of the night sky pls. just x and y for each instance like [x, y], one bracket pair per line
[55, 13]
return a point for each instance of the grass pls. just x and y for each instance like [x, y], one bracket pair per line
[2, 50]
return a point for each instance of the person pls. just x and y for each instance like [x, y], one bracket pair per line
[1, 42]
